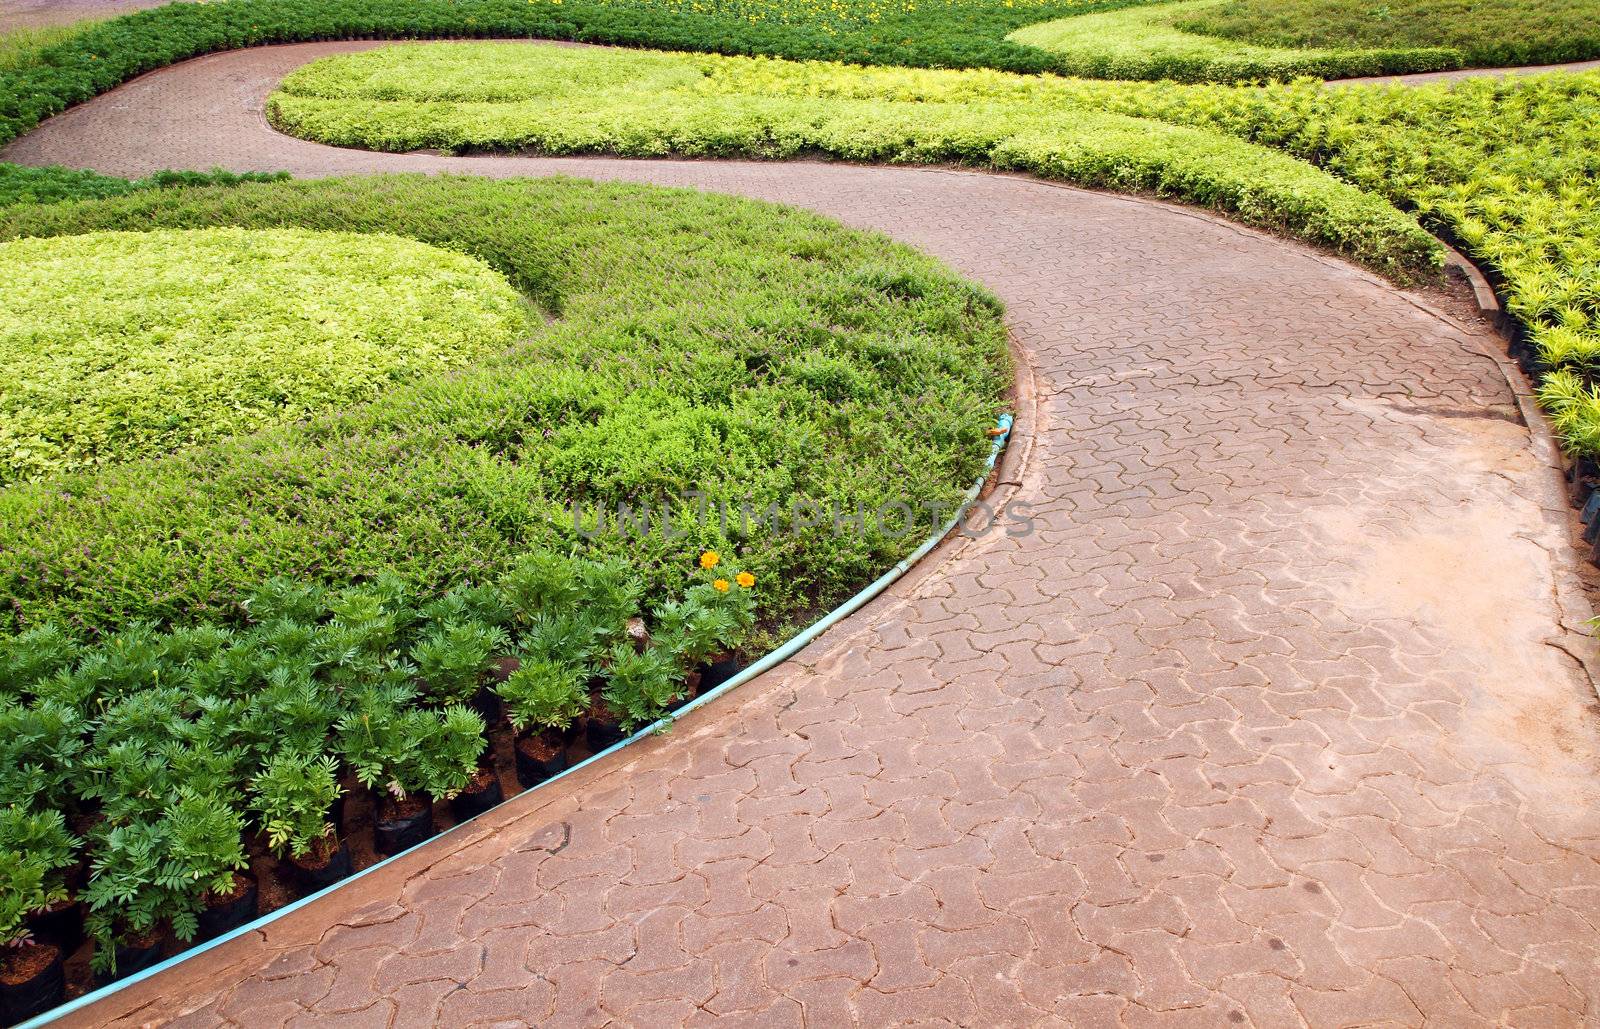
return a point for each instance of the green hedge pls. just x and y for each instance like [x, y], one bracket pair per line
[755, 353]
[507, 96]
[23, 185]
[127, 344]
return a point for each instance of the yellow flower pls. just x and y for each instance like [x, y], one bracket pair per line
[745, 579]
[710, 559]
[721, 585]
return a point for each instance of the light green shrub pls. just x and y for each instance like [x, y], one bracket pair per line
[126, 344]
[472, 96]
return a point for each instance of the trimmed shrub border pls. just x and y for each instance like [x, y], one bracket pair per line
[1002, 436]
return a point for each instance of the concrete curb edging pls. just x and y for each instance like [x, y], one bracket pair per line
[1575, 608]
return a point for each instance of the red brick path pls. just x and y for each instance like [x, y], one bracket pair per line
[1272, 722]
[1423, 78]
[28, 14]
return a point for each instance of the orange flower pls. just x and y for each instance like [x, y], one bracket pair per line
[721, 585]
[745, 579]
[710, 559]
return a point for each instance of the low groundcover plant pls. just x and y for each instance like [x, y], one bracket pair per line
[127, 344]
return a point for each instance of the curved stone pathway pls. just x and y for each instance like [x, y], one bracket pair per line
[1274, 720]
[1426, 77]
[33, 14]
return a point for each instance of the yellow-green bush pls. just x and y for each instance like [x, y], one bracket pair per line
[125, 344]
[472, 96]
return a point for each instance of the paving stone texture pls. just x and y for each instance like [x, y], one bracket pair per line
[1276, 719]
[30, 14]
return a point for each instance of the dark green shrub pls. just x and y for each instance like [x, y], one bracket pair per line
[641, 686]
[24, 185]
[544, 694]
[402, 750]
[290, 798]
[158, 868]
[35, 851]
[454, 659]
[41, 746]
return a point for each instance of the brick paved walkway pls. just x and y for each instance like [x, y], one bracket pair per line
[28, 14]
[1423, 78]
[1272, 722]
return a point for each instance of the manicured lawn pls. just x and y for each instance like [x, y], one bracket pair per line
[132, 344]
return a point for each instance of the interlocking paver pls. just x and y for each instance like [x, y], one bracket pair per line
[1264, 725]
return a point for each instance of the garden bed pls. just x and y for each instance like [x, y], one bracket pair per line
[756, 354]
[216, 698]
[334, 729]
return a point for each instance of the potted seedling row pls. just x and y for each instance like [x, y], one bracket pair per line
[542, 699]
[35, 852]
[155, 873]
[409, 757]
[139, 774]
[295, 799]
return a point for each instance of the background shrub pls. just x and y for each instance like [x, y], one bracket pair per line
[1159, 41]
[1482, 34]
